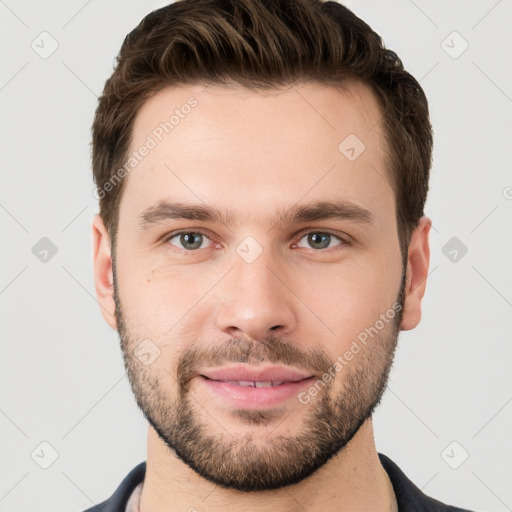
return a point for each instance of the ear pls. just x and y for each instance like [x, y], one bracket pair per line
[416, 274]
[103, 277]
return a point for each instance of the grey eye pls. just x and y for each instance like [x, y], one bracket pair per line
[190, 240]
[320, 240]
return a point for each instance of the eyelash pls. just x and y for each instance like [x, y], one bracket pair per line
[343, 241]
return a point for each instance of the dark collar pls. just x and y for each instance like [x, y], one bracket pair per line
[408, 496]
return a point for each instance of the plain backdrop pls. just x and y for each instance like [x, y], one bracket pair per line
[65, 401]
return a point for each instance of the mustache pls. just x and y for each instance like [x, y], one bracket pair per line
[240, 350]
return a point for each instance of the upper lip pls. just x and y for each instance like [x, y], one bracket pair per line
[246, 373]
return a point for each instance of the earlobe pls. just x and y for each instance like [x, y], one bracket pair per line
[417, 273]
[102, 264]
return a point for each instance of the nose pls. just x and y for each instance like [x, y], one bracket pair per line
[256, 300]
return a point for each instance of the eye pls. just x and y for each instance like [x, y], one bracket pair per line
[191, 241]
[188, 240]
[321, 239]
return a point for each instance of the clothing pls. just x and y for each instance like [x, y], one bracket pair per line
[133, 501]
[408, 496]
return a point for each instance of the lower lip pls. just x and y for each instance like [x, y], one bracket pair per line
[249, 397]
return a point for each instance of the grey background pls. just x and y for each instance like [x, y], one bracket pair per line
[62, 378]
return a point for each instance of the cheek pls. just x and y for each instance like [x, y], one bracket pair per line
[350, 298]
[158, 300]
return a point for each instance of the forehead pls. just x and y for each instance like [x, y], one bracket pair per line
[240, 147]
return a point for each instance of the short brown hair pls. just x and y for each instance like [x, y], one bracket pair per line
[263, 45]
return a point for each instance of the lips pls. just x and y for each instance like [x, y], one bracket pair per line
[255, 377]
[245, 387]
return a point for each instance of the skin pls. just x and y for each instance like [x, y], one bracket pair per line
[256, 154]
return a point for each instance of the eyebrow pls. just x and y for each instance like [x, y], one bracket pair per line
[315, 211]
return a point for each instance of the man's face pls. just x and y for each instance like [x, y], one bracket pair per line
[259, 290]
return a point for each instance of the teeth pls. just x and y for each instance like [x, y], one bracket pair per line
[253, 384]
[249, 383]
[266, 384]
[269, 383]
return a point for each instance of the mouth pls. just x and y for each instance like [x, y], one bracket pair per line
[252, 383]
[254, 388]
[261, 377]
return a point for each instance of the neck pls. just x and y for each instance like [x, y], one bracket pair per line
[352, 480]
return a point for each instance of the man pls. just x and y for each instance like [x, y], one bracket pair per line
[262, 169]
